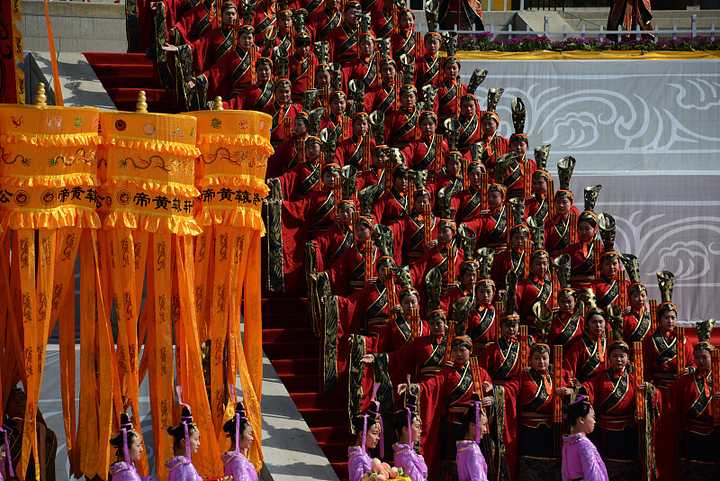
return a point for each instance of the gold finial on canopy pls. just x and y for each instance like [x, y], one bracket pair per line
[141, 106]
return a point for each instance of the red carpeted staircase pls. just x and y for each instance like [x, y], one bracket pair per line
[294, 351]
[123, 75]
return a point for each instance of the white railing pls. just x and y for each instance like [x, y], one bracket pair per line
[693, 31]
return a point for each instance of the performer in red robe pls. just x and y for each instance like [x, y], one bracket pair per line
[460, 298]
[613, 395]
[494, 144]
[567, 321]
[586, 355]
[560, 228]
[427, 67]
[348, 273]
[344, 39]
[609, 287]
[516, 178]
[290, 153]
[451, 90]
[449, 182]
[430, 150]
[537, 288]
[630, 15]
[329, 245]
[261, 95]
[582, 253]
[357, 149]
[366, 65]
[385, 98]
[302, 66]
[403, 39]
[535, 439]
[539, 205]
[304, 178]
[514, 258]
[637, 321]
[482, 327]
[414, 236]
[283, 112]
[494, 220]
[384, 16]
[502, 358]
[445, 258]
[694, 394]
[264, 21]
[444, 399]
[326, 20]
[335, 118]
[401, 125]
[470, 131]
[393, 204]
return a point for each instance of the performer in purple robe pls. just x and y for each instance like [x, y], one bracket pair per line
[580, 457]
[241, 437]
[129, 448]
[6, 456]
[471, 465]
[408, 428]
[368, 427]
[186, 440]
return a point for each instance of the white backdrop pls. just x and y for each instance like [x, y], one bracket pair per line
[649, 132]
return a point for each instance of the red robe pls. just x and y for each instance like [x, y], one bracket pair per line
[383, 21]
[401, 128]
[425, 154]
[390, 207]
[287, 156]
[257, 98]
[469, 132]
[330, 245]
[403, 43]
[264, 21]
[302, 73]
[427, 72]
[300, 181]
[515, 181]
[411, 232]
[448, 99]
[283, 121]
[366, 69]
[566, 326]
[495, 147]
[636, 326]
[693, 396]
[210, 48]
[530, 291]
[347, 273]
[324, 23]
[343, 45]
[482, 328]
[437, 257]
[384, 99]
[582, 357]
[356, 152]
[607, 291]
[537, 207]
[503, 262]
[557, 232]
[582, 259]
[191, 24]
[502, 360]
[469, 211]
[341, 124]
[231, 75]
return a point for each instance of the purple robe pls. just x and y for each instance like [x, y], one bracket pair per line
[581, 460]
[181, 469]
[359, 463]
[471, 465]
[238, 466]
[412, 463]
[121, 471]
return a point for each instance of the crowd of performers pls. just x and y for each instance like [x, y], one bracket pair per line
[460, 298]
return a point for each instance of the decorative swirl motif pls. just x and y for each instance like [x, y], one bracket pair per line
[609, 115]
[224, 154]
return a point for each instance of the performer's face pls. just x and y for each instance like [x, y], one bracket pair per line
[387, 72]
[373, 436]
[510, 329]
[136, 449]
[246, 41]
[345, 214]
[422, 203]
[338, 105]
[428, 127]
[284, 23]
[489, 125]
[566, 301]
[410, 304]
[520, 148]
[445, 235]
[452, 70]
[609, 267]
[331, 178]
[668, 319]
[362, 232]
[322, 79]
[406, 21]
[360, 127]
[586, 232]
[312, 151]
[416, 428]
[351, 16]
[247, 437]
[539, 185]
[563, 205]
[518, 239]
[461, 355]
[229, 16]
[469, 278]
[540, 361]
[453, 165]
[432, 45]
[475, 176]
[495, 199]
[381, 157]
[401, 184]
[638, 298]
[618, 360]
[540, 266]
[703, 360]
[408, 100]
[283, 95]
[195, 440]
[366, 47]
[264, 73]
[301, 127]
[587, 424]
[437, 326]
[485, 294]
[596, 326]
[467, 108]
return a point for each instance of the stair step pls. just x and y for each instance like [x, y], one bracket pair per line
[341, 469]
[309, 400]
[274, 335]
[300, 382]
[335, 451]
[324, 417]
[335, 434]
[285, 367]
[291, 350]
